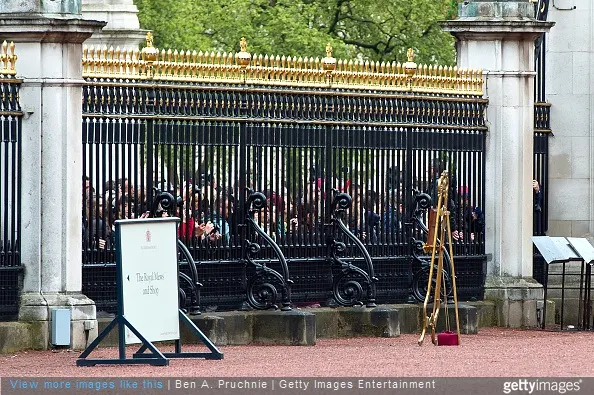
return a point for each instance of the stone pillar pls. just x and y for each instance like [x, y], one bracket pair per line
[498, 37]
[122, 29]
[48, 37]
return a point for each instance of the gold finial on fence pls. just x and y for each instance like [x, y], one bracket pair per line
[243, 57]
[149, 55]
[7, 59]
[410, 67]
[329, 63]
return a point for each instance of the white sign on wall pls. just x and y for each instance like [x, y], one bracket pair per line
[149, 277]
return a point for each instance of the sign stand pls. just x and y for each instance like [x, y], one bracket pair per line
[148, 298]
[121, 321]
[586, 251]
[563, 250]
[214, 354]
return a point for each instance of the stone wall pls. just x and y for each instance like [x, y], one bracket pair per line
[570, 90]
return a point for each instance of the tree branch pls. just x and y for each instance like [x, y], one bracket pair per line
[374, 47]
[337, 16]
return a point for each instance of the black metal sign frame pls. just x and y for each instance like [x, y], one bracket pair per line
[155, 357]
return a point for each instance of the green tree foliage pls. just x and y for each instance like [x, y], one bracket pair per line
[379, 30]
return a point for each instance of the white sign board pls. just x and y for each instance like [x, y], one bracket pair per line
[149, 277]
[583, 248]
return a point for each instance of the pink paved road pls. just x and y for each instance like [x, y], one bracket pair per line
[493, 352]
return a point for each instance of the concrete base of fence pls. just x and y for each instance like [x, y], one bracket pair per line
[467, 316]
[294, 327]
[381, 321]
[304, 326]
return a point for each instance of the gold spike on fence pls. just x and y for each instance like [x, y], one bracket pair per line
[267, 69]
[7, 59]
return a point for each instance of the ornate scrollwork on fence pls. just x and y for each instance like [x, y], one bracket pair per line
[192, 305]
[165, 202]
[422, 202]
[346, 287]
[262, 290]
[420, 280]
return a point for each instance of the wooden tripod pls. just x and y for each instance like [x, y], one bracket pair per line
[439, 221]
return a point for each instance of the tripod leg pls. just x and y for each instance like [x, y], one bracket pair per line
[437, 294]
[453, 275]
[427, 320]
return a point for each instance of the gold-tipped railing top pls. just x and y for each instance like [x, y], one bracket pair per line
[7, 59]
[243, 67]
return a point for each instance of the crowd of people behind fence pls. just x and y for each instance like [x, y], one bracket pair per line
[209, 214]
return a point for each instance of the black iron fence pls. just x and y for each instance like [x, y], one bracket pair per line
[10, 193]
[542, 132]
[377, 134]
[214, 130]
